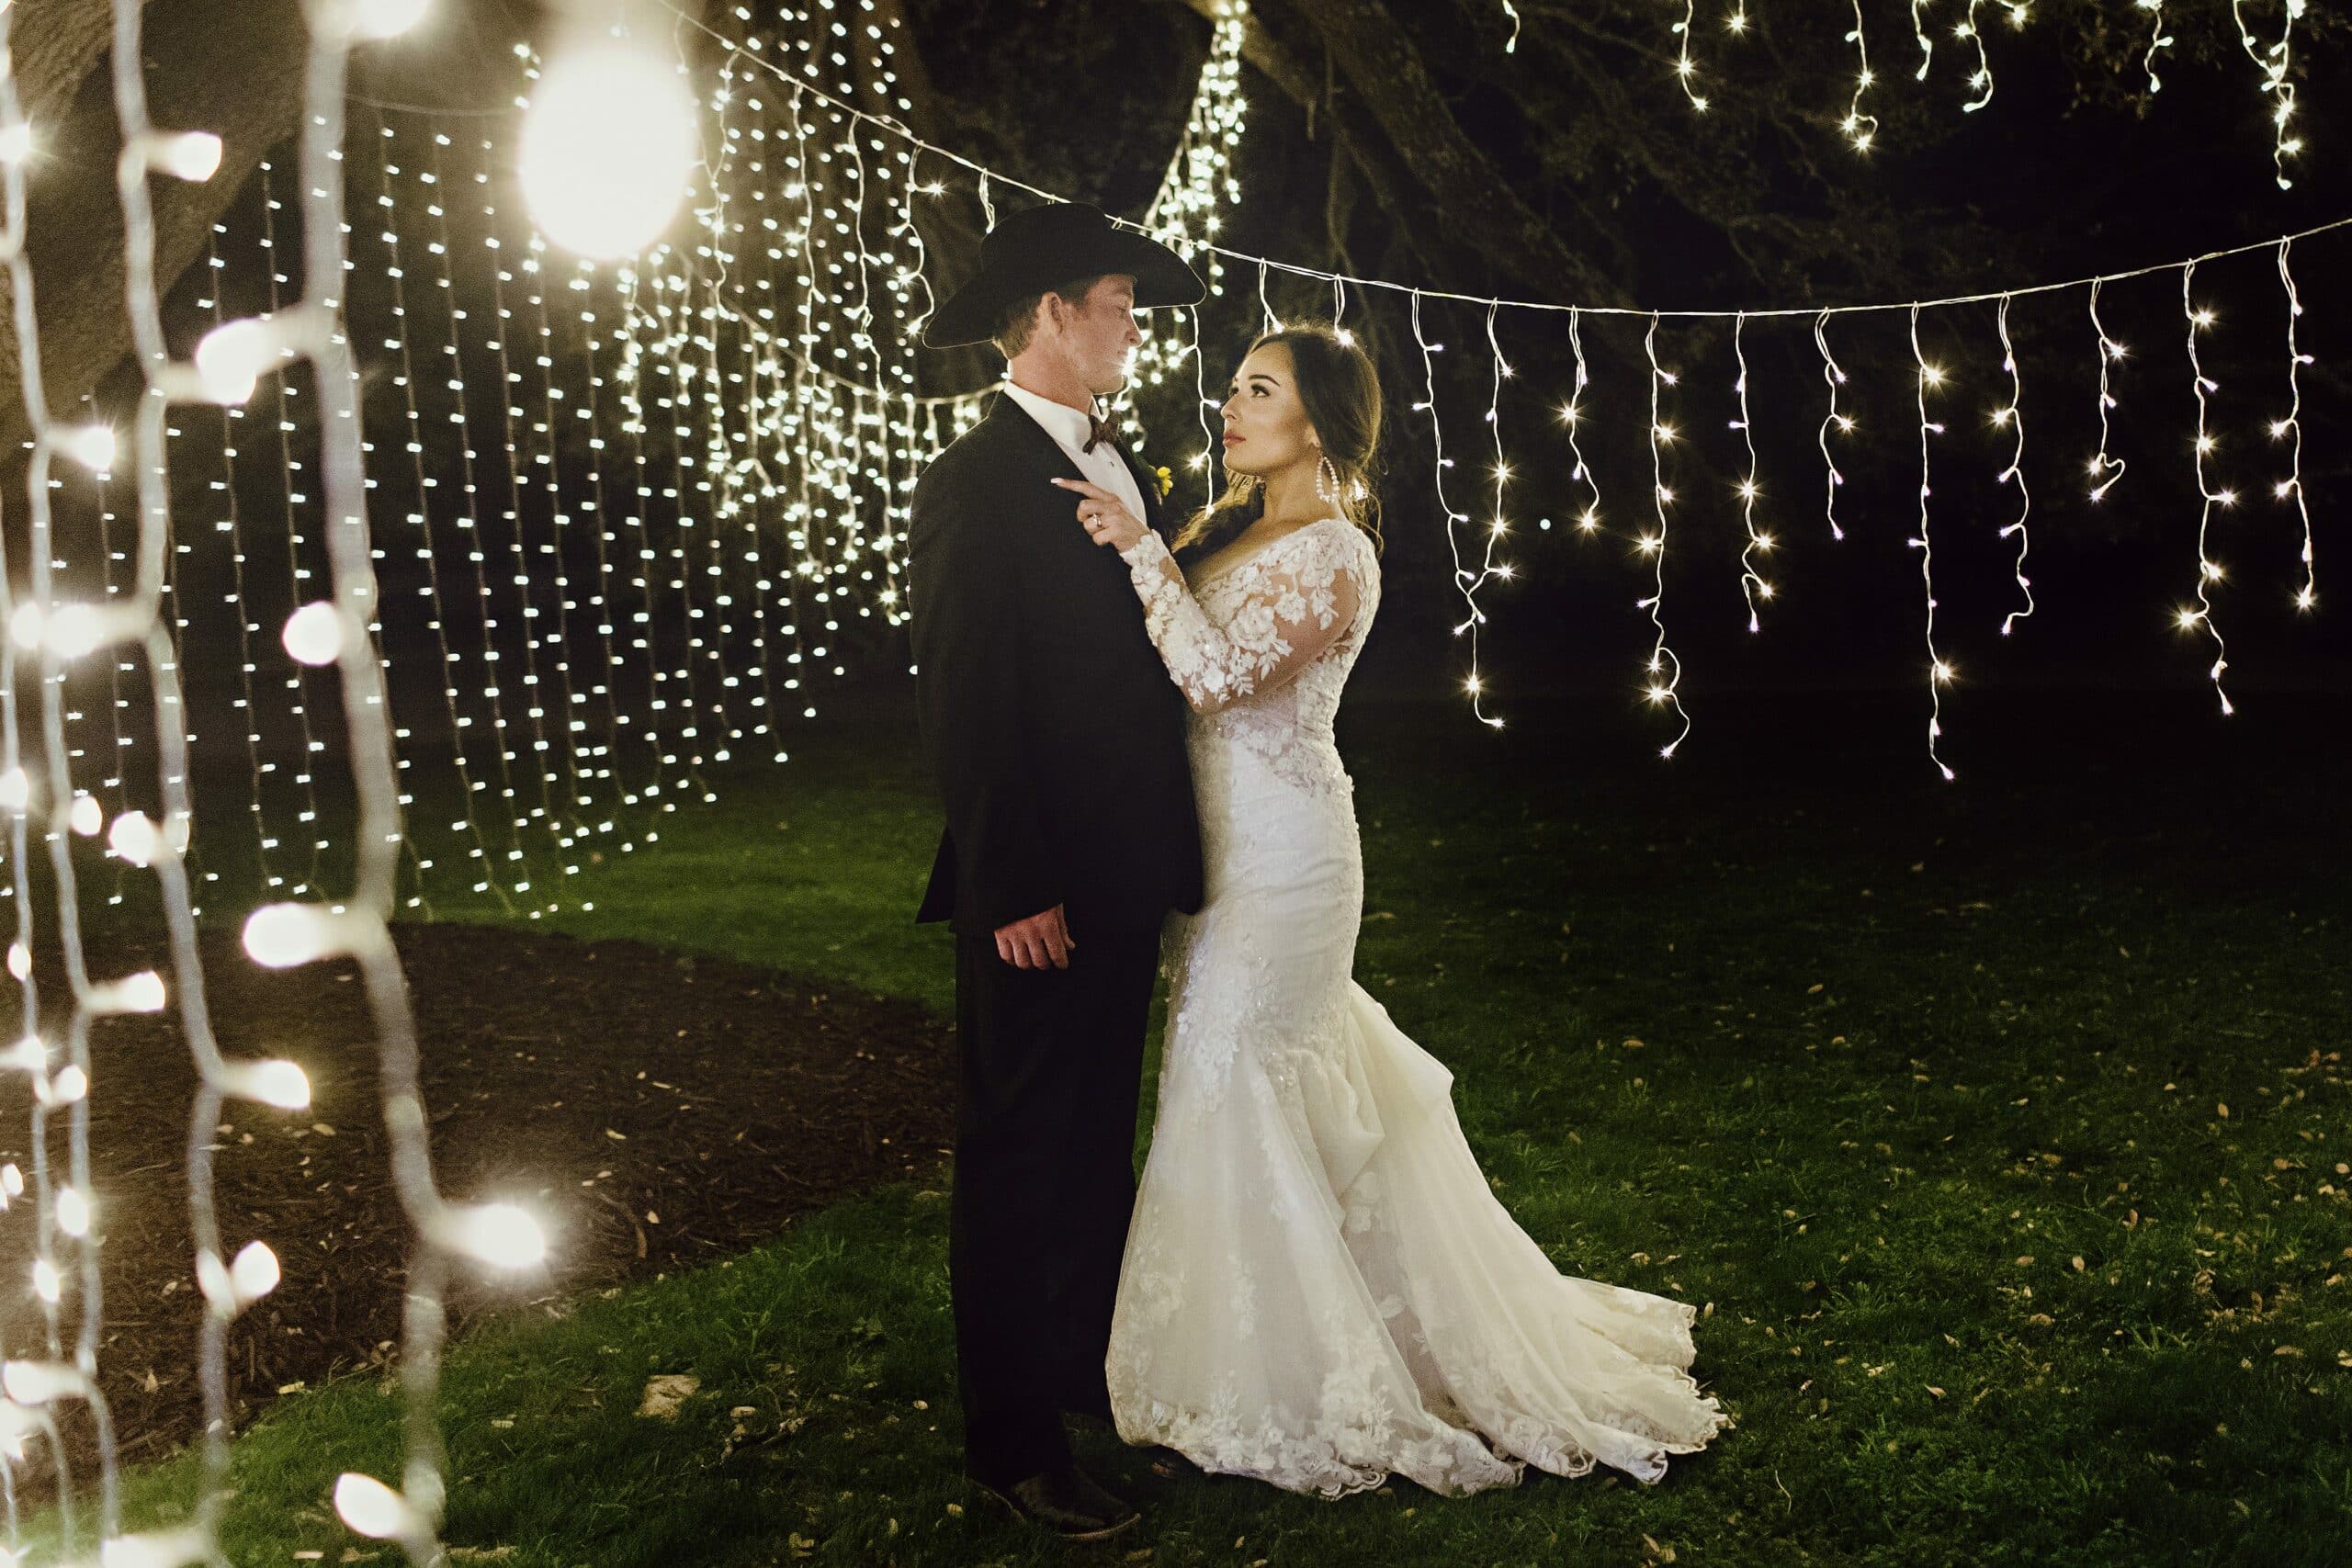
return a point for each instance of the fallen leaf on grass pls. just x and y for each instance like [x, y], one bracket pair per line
[665, 1394]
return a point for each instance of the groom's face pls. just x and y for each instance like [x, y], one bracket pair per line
[1098, 334]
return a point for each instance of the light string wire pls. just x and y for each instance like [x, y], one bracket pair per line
[2158, 38]
[1572, 416]
[549, 814]
[1664, 669]
[2012, 417]
[1499, 526]
[1299, 270]
[2104, 470]
[1835, 378]
[231, 524]
[469, 823]
[1752, 586]
[1982, 78]
[226, 369]
[1939, 672]
[1861, 128]
[2291, 428]
[1464, 580]
[2209, 571]
[298, 679]
[1686, 68]
[32, 1385]
[469, 520]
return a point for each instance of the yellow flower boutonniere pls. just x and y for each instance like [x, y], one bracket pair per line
[1167, 482]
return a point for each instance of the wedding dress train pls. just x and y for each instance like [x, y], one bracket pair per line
[1320, 1288]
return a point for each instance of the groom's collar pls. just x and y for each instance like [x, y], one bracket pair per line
[1069, 426]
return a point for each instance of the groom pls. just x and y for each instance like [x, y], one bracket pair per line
[1057, 741]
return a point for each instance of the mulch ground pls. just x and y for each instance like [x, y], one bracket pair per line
[658, 1111]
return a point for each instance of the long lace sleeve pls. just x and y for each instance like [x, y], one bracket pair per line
[1309, 585]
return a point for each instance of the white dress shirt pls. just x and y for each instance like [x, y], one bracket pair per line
[1069, 428]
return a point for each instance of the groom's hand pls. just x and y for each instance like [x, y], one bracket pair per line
[1036, 941]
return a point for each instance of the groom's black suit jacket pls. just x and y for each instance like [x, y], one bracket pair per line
[1052, 727]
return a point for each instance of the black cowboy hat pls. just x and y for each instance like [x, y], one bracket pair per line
[1041, 248]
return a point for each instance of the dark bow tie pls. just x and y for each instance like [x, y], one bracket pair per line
[1100, 431]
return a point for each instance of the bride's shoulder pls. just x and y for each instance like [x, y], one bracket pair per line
[1337, 539]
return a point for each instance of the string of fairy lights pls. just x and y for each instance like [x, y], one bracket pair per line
[2274, 63]
[735, 371]
[629, 496]
[1662, 668]
[46, 633]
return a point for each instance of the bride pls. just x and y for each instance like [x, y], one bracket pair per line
[1319, 1289]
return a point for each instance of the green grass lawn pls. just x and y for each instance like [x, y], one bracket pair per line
[2001, 1129]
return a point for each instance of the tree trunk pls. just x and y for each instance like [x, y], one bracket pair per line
[234, 70]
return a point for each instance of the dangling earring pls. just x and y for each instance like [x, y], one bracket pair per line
[1327, 480]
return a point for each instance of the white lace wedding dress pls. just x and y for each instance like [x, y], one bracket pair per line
[1319, 1288]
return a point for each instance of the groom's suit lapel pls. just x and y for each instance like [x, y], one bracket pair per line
[1050, 458]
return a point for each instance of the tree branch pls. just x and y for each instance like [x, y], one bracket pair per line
[1387, 72]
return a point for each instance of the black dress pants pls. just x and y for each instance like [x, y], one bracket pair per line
[1044, 1187]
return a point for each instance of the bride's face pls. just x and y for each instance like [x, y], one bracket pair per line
[1266, 428]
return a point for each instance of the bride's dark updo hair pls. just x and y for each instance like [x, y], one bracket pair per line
[1341, 393]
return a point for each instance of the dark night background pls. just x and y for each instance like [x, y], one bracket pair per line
[2072, 169]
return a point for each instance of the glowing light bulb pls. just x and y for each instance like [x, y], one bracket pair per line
[501, 1234]
[142, 992]
[192, 156]
[73, 1212]
[374, 1510]
[86, 816]
[255, 1273]
[609, 144]
[92, 446]
[49, 1286]
[70, 1088]
[76, 630]
[387, 18]
[273, 1082]
[37, 1382]
[17, 143]
[280, 936]
[231, 359]
[314, 634]
[164, 1549]
[134, 838]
